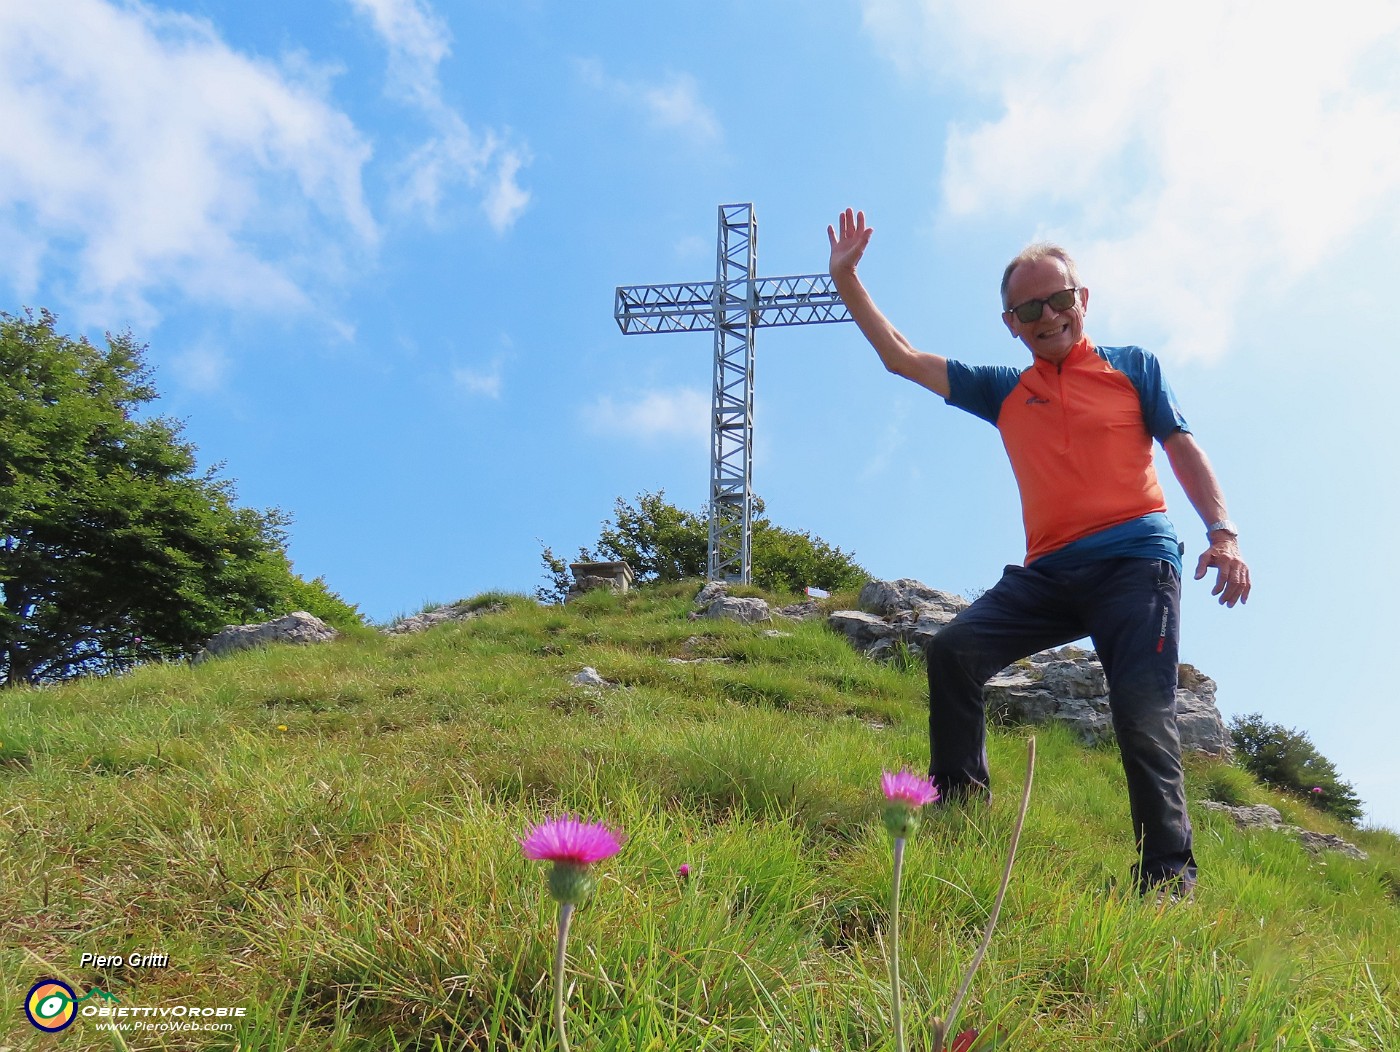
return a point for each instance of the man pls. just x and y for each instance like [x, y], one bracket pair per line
[1102, 559]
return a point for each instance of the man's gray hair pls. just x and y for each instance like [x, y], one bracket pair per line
[1034, 253]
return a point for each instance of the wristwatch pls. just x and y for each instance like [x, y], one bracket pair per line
[1223, 524]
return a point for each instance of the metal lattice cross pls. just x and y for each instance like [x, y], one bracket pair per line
[733, 305]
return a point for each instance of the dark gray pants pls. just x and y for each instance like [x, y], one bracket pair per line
[1130, 609]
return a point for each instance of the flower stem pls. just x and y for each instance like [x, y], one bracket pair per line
[942, 1028]
[895, 1002]
[566, 913]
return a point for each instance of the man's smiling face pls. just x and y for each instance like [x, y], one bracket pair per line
[1054, 333]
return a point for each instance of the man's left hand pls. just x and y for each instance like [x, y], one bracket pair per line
[1232, 582]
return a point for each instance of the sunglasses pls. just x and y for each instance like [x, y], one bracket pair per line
[1031, 310]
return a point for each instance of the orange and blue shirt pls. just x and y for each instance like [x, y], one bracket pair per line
[1079, 436]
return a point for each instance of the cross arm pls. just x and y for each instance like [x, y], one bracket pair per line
[685, 307]
[802, 299]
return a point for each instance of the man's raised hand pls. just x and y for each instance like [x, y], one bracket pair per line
[849, 246]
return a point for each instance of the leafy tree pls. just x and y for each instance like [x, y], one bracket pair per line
[662, 542]
[1287, 759]
[789, 560]
[113, 549]
[657, 539]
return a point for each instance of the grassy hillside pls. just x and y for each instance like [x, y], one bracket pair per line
[328, 838]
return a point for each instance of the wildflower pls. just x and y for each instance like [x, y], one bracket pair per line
[905, 793]
[281, 726]
[1317, 788]
[573, 846]
[684, 871]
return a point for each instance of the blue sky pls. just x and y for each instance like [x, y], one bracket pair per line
[372, 245]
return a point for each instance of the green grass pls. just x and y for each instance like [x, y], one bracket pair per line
[328, 837]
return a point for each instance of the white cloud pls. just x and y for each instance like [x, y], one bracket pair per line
[202, 369]
[418, 42]
[142, 155]
[672, 104]
[680, 413]
[486, 382]
[1192, 154]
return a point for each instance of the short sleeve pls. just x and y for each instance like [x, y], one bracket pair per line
[980, 389]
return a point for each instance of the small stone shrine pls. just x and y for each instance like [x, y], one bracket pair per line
[587, 576]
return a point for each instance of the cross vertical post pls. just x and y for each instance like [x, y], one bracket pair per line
[737, 303]
[731, 407]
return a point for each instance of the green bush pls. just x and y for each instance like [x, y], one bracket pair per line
[664, 543]
[1287, 759]
[316, 597]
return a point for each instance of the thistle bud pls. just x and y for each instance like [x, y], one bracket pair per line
[570, 883]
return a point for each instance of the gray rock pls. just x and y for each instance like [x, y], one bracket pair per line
[1262, 816]
[712, 591]
[1020, 695]
[1197, 718]
[1067, 685]
[1316, 842]
[906, 611]
[862, 629]
[298, 627]
[747, 610]
[441, 615]
[803, 611]
[589, 678]
[891, 597]
[1252, 816]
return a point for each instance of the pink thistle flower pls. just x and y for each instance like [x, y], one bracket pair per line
[684, 871]
[571, 841]
[908, 788]
[572, 845]
[1317, 789]
[905, 793]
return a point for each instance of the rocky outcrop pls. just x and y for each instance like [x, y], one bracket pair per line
[299, 627]
[713, 590]
[714, 600]
[462, 611]
[735, 608]
[1065, 685]
[894, 613]
[1262, 816]
[1068, 685]
[806, 610]
[893, 598]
